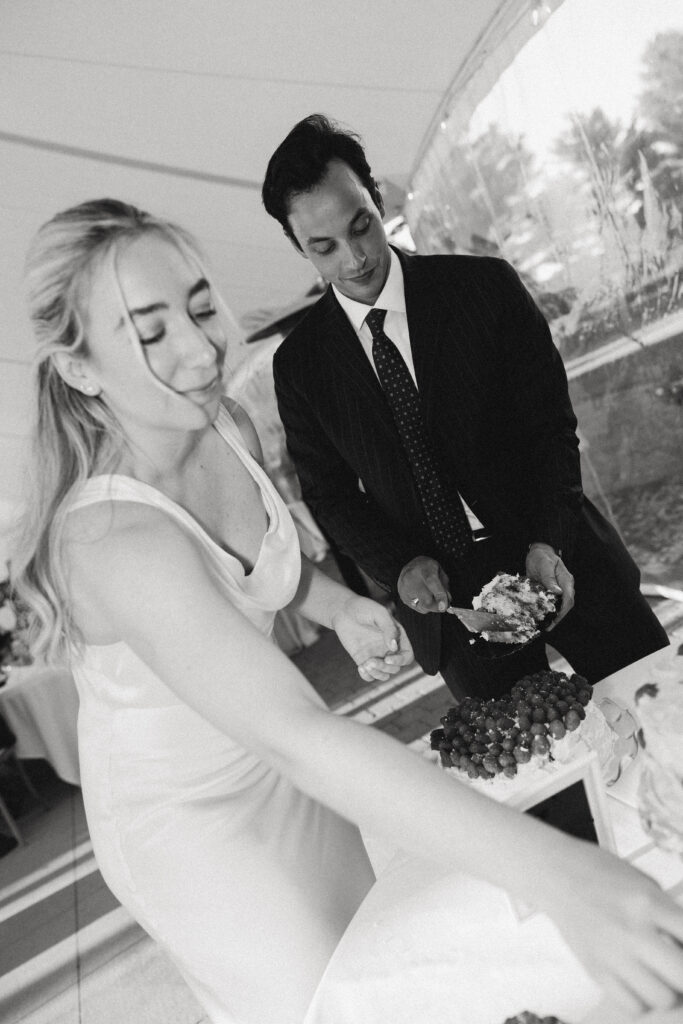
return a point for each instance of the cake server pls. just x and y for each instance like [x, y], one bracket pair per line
[479, 622]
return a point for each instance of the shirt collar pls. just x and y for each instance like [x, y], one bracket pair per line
[392, 296]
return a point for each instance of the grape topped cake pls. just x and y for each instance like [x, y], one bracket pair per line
[525, 604]
[547, 719]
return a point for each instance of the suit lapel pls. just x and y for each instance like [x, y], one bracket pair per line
[345, 353]
[426, 315]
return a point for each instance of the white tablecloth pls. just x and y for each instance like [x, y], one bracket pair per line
[428, 945]
[40, 706]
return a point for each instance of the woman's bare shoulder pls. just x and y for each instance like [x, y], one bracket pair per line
[121, 553]
[98, 536]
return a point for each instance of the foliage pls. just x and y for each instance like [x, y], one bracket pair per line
[597, 235]
[14, 648]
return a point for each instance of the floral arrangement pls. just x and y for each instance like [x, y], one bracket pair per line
[14, 649]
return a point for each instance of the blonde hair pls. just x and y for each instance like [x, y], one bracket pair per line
[74, 435]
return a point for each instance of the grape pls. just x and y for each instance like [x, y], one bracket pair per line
[521, 755]
[510, 770]
[435, 738]
[540, 745]
[539, 729]
[572, 720]
[538, 715]
[557, 729]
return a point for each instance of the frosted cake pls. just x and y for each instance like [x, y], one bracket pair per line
[526, 605]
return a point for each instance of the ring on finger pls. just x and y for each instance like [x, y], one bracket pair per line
[415, 601]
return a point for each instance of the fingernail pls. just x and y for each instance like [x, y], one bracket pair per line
[442, 606]
[393, 645]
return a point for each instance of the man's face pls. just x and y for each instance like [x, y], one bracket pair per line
[340, 231]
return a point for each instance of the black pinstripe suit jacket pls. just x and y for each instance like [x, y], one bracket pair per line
[495, 399]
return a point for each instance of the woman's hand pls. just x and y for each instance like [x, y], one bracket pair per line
[627, 933]
[376, 642]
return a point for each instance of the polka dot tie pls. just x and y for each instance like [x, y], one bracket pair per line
[443, 508]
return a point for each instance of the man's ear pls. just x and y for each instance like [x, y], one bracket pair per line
[74, 371]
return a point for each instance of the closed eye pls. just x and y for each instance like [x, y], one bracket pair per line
[204, 314]
[152, 339]
[326, 251]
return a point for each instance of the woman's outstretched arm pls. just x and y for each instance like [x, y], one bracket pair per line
[152, 586]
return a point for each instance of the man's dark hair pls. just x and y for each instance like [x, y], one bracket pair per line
[300, 163]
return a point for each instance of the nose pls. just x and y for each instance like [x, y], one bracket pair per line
[200, 348]
[355, 258]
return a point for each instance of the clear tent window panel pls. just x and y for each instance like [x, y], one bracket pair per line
[565, 157]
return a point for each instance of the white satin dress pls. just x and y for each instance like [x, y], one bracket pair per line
[246, 882]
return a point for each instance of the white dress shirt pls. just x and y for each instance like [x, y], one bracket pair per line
[393, 299]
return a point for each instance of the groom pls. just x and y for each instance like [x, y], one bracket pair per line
[427, 413]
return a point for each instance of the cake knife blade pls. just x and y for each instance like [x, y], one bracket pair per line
[479, 622]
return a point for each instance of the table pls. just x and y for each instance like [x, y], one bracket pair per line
[40, 705]
[396, 960]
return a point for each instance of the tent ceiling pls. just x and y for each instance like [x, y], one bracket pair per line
[177, 106]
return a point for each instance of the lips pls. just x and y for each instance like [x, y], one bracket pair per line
[204, 387]
[363, 277]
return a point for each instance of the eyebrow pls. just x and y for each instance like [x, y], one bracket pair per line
[326, 238]
[198, 286]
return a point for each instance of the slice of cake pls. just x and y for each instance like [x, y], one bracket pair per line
[521, 601]
[547, 720]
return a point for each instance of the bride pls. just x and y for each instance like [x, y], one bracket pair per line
[223, 799]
